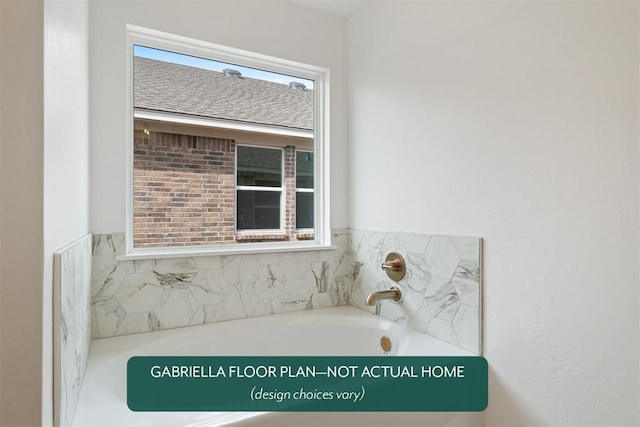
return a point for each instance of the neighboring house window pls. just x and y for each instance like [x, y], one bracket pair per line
[258, 188]
[227, 148]
[304, 190]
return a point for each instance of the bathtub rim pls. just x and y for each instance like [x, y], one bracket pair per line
[355, 315]
[96, 397]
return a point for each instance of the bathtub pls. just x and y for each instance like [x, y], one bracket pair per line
[339, 331]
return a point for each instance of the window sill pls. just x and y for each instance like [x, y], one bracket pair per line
[221, 250]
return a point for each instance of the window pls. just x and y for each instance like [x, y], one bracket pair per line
[304, 190]
[227, 149]
[258, 189]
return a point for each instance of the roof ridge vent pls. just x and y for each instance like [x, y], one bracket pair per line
[229, 72]
[298, 85]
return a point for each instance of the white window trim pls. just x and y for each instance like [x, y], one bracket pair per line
[258, 188]
[321, 145]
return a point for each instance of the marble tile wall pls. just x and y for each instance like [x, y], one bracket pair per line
[441, 290]
[138, 296]
[72, 325]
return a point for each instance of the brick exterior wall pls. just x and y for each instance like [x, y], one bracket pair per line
[290, 190]
[184, 192]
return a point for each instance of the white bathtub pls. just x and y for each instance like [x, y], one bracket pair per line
[334, 331]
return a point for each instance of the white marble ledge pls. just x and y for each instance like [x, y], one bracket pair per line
[210, 251]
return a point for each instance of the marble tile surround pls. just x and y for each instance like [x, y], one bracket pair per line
[442, 292]
[72, 325]
[140, 296]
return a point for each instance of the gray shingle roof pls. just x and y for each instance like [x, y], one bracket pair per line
[174, 88]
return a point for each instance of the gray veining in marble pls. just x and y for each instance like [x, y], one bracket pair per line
[441, 289]
[72, 325]
[139, 296]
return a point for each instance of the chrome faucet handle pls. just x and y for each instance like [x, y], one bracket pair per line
[395, 266]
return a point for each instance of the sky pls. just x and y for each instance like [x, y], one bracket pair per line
[207, 64]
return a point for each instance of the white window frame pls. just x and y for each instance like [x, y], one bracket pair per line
[303, 190]
[321, 144]
[259, 231]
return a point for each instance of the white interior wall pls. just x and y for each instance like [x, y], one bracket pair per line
[21, 217]
[517, 122]
[66, 151]
[278, 29]
[44, 187]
